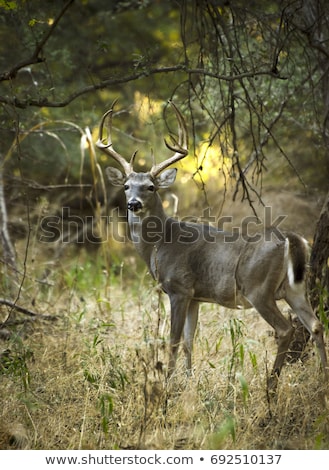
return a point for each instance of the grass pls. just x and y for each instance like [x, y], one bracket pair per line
[95, 378]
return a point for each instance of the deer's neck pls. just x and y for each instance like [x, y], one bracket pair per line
[147, 229]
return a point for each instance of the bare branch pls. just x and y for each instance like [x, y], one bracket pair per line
[24, 310]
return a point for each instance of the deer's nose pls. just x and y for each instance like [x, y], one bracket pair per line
[134, 205]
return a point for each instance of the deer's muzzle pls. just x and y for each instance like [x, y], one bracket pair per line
[134, 205]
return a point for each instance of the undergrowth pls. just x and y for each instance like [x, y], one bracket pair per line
[96, 377]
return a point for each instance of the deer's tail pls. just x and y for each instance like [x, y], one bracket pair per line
[298, 254]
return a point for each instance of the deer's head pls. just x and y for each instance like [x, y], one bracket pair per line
[141, 187]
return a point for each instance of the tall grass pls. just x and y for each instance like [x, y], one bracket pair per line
[95, 378]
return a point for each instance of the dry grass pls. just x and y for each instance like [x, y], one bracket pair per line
[94, 379]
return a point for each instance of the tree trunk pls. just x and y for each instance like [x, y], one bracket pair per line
[319, 275]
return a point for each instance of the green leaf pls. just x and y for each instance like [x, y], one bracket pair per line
[8, 5]
[33, 22]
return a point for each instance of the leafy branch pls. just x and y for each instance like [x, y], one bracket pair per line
[35, 57]
[45, 102]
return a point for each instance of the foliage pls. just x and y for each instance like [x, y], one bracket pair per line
[244, 74]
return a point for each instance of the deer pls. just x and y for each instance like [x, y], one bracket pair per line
[196, 262]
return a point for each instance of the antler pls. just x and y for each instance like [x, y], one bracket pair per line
[108, 146]
[180, 147]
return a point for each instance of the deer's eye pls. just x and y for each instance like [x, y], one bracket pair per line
[151, 188]
[126, 187]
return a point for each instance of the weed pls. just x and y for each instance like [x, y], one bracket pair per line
[105, 403]
[14, 362]
[224, 432]
[237, 356]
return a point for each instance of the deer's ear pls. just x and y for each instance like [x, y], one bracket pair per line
[166, 178]
[115, 176]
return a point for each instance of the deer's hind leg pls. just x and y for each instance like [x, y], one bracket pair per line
[297, 300]
[268, 309]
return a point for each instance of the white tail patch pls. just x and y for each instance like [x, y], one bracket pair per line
[290, 267]
[291, 275]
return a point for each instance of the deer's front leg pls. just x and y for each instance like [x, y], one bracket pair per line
[179, 305]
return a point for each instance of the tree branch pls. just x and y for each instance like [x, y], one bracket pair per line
[44, 102]
[24, 310]
[35, 57]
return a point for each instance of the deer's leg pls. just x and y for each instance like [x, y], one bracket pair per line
[284, 332]
[299, 303]
[179, 304]
[191, 321]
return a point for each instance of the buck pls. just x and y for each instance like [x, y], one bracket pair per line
[195, 263]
